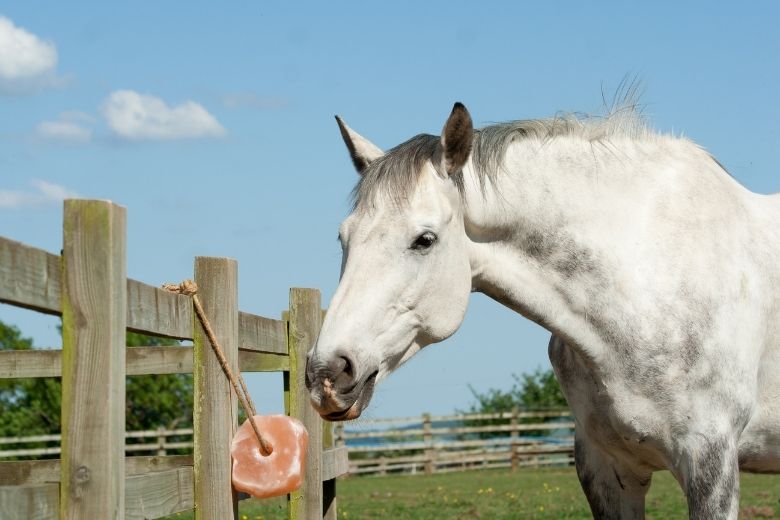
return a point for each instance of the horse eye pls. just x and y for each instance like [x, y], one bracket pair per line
[424, 241]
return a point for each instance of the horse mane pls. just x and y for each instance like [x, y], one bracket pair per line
[395, 175]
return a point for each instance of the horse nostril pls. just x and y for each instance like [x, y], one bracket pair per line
[343, 371]
[348, 369]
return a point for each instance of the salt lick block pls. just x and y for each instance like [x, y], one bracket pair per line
[276, 474]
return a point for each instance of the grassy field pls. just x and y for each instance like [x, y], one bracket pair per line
[535, 494]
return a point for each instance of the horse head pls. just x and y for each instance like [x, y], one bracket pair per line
[405, 274]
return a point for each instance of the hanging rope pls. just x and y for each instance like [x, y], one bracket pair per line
[190, 288]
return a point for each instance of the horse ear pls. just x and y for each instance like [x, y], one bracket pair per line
[456, 139]
[362, 151]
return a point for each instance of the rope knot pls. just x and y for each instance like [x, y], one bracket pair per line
[186, 287]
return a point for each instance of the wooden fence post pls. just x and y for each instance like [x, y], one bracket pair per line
[329, 506]
[305, 316]
[428, 440]
[214, 407]
[94, 301]
[513, 438]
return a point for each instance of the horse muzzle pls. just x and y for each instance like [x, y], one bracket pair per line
[334, 389]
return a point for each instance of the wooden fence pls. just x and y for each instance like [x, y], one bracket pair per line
[151, 442]
[458, 442]
[88, 287]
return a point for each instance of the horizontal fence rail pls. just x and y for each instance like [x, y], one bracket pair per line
[436, 444]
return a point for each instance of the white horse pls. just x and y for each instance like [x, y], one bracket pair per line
[657, 273]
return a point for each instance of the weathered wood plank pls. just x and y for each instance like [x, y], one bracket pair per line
[251, 361]
[215, 409]
[143, 465]
[262, 334]
[28, 472]
[159, 360]
[30, 363]
[94, 301]
[155, 311]
[159, 493]
[139, 361]
[36, 502]
[335, 462]
[151, 495]
[304, 326]
[29, 277]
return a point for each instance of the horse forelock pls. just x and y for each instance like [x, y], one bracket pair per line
[394, 176]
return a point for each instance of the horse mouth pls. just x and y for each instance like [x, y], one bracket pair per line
[364, 395]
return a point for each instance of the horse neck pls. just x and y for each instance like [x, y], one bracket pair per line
[556, 238]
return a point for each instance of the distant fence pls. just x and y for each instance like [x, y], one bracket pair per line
[152, 442]
[87, 286]
[436, 444]
[422, 444]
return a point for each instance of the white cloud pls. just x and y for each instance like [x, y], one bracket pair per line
[70, 128]
[27, 63]
[44, 193]
[135, 116]
[64, 132]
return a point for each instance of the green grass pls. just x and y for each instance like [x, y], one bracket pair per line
[534, 494]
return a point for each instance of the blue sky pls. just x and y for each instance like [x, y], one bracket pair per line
[213, 124]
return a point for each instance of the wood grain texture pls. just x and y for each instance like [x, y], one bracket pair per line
[304, 325]
[159, 494]
[34, 502]
[150, 495]
[141, 465]
[155, 311]
[159, 360]
[32, 278]
[94, 298]
[335, 462]
[251, 361]
[29, 277]
[139, 361]
[262, 334]
[215, 409]
[30, 363]
[27, 472]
